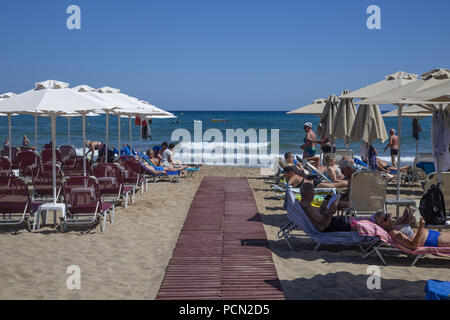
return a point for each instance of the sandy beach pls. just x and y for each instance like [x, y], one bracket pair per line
[129, 259]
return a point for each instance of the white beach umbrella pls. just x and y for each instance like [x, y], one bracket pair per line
[344, 119]
[316, 108]
[53, 98]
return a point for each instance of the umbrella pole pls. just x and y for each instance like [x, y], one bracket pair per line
[68, 131]
[400, 109]
[83, 120]
[107, 133]
[53, 120]
[140, 122]
[35, 131]
[10, 139]
[119, 125]
[131, 140]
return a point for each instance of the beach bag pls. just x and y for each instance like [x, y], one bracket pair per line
[432, 206]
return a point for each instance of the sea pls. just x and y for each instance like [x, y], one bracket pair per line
[269, 142]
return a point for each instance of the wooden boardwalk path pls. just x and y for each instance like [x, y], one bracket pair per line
[222, 251]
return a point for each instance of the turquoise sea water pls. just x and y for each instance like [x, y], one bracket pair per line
[290, 127]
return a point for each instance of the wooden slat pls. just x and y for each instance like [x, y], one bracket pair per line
[222, 250]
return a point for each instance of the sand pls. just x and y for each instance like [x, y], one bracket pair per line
[128, 260]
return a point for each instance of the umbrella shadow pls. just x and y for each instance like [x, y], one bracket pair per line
[348, 286]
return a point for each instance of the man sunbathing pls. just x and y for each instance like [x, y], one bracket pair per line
[321, 218]
[297, 176]
[412, 238]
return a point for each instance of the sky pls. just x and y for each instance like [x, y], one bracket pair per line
[220, 54]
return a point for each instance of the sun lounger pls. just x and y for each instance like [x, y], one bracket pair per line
[28, 161]
[46, 155]
[173, 176]
[386, 243]
[279, 188]
[310, 167]
[16, 206]
[5, 167]
[71, 163]
[367, 193]
[132, 173]
[84, 205]
[43, 182]
[300, 221]
[110, 181]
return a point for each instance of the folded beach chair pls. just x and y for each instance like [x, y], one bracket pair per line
[84, 204]
[16, 206]
[367, 193]
[110, 181]
[28, 161]
[300, 221]
[386, 243]
[43, 182]
[432, 179]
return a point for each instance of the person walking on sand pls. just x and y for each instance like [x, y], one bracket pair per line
[393, 144]
[309, 147]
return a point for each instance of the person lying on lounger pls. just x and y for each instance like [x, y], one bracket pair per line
[321, 218]
[296, 176]
[156, 161]
[412, 238]
[333, 171]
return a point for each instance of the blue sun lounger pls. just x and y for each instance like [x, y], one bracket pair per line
[173, 176]
[300, 221]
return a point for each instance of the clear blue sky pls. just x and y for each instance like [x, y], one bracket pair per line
[220, 54]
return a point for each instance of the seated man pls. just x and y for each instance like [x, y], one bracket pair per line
[321, 218]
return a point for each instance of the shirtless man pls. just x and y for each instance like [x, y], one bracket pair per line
[321, 218]
[393, 144]
[96, 145]
[309, 147]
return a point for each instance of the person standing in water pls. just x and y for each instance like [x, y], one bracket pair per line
[394, 145]
[309, 147]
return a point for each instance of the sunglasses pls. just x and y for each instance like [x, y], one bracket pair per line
[387, 216]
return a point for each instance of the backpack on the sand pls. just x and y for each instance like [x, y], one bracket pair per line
[432, 206]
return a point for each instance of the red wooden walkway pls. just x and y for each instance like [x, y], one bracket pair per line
[222, 251]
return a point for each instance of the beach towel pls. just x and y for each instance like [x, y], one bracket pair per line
[368, 228]
[437, 290]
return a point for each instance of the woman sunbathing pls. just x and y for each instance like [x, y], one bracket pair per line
[333, 172]
[408, 237]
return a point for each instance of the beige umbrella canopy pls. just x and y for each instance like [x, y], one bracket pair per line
[368, 125]
[411, 111]
[344, 119]
[393, 81]
[325, 128]
[316, 108]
